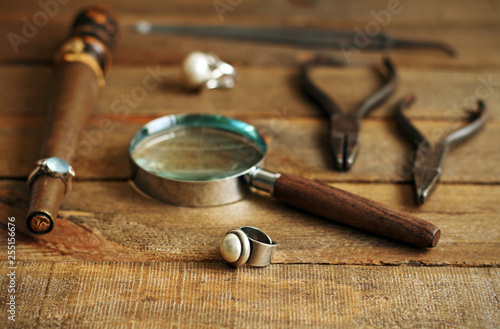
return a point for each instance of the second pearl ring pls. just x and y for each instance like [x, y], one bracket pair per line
[247, 245]
[207, 69]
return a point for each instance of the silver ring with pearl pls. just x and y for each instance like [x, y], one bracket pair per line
[207, 69]
[247, 245]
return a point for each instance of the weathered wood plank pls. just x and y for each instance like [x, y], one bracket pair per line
[159, 295]
[324, 12]
[134, 48]
[468, 26]
[441, 94]
[159, 266]
[112, 222]
[298, 146]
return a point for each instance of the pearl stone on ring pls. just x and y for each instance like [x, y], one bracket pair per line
[207, 69]
[230, 248]
[247, 245]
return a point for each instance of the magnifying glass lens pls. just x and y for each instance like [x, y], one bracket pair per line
[196, 153]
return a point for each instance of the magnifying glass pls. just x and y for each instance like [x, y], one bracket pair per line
[209, 160]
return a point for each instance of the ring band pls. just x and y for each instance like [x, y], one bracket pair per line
[247, 245]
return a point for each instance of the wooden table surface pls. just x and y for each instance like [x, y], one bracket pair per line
[118, 259]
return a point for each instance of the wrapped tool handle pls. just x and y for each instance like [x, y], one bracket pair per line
[352, 210]
[81, 64]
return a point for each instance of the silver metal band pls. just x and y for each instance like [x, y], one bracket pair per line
[261, 247]
[54, 167]
[252, 247]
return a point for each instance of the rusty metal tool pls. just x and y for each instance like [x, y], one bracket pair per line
[344, 127]
[429, 160]
[81, 64]
[296, 37]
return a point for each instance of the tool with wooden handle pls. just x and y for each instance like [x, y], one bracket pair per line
[353, 210]
[81, 63]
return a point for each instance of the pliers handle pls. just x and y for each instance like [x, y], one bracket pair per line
[428, 164]
[344, 127]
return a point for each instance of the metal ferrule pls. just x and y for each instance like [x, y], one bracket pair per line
[262, 179]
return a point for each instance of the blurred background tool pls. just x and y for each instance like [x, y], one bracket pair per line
[81, 64]
[296, 37]
[429, 160]
[345, 127]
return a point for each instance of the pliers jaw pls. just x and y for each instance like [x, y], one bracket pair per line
[344, 135]
[344, 141]
[427, 168]
[425, 182]
[345, 150]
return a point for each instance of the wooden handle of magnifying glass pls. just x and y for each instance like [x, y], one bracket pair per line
[352, 210]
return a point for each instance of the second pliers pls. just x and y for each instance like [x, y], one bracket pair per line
[344, 127]
[429, 159]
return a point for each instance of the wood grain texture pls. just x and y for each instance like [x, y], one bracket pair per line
[24, 91]
[106, 221]
[296, 146]
[118, 259]
[320, 12]
[444, 24]
[206, 295]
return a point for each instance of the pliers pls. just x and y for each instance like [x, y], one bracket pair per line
[428, 164]
[344, 127]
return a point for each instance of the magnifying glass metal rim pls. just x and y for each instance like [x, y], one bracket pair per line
[196, 193]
